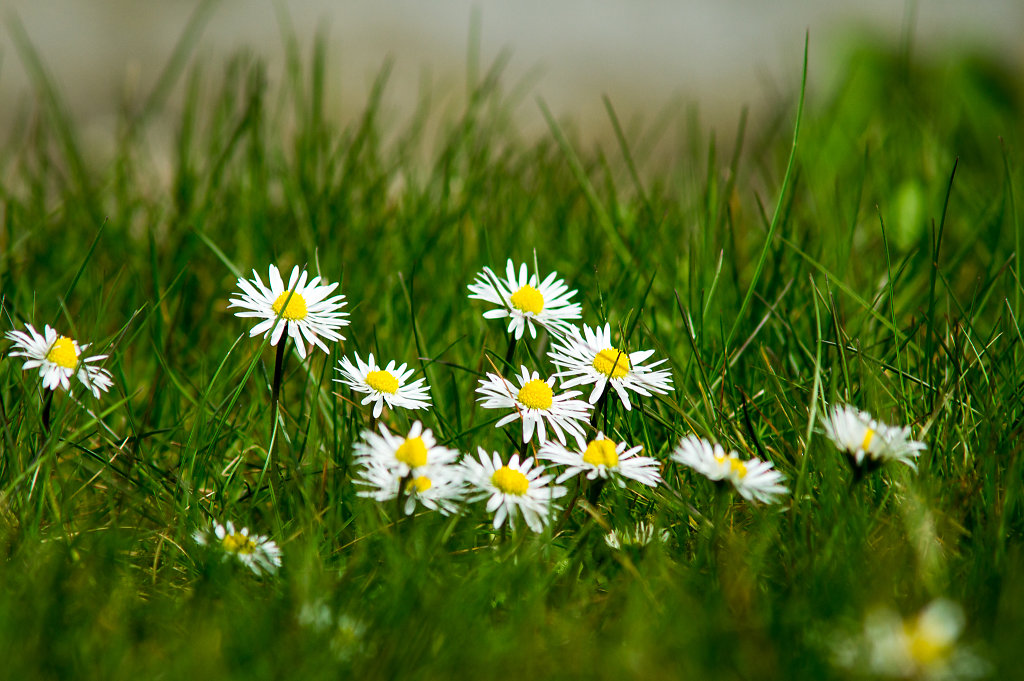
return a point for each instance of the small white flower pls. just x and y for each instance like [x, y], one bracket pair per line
[920, 647]
[58, 359]
[525, 301]
[753, 479]
[590, 358]
[509, 488]
[603, 458]
[438, 487]
[301, 308]
[256, 552]
[387, 385]
[534, 401]
[642, 535]
[867, 442]
[402, 455]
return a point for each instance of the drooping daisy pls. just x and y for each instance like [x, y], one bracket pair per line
[919, 647]
[534, 401]
[524, 301]
[753, 479]
[260, 554]
[867, 442]
[402, 455]
[301, 308]
[640, 536]
[511, 487]
[589, 357]
[438, 487]
[603, 458]
[58, 359]
[387, 385]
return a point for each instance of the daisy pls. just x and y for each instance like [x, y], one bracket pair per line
[387, 385]
[867, 442]
[301, 308]
[508, 488]
[603, 458]
[401, 455]
[534, 401]
[256, 552]
[59, 358]
[753, 479]
[640, 536]
[524, 301]
[438, 487]
[589, 357]
[919, 647]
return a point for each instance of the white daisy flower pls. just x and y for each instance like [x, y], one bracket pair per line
[534, 401]
[603, 458]
[753, 479]
[919, 647]
[642, 535]
[867, 442]
[508, 488]
[589, 357]
[301, 308]
[387, 385]
[58, 359]
[438, 487]
[402, 455]
[258, 553]
[524, 301]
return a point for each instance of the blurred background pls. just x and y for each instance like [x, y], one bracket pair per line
[644, 54]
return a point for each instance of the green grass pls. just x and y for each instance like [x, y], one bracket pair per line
[884, 272]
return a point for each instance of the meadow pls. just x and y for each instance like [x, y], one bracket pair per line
[858, 246]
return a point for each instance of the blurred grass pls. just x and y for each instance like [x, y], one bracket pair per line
[892, 282]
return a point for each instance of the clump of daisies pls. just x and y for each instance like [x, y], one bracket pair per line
[867, 442]
[526, 300]
[58, 358]
[535, 403]
[388, 385]
[588, 357]
[752, 478]
[512, 489]
[413, 468]
[257, 552]
[923, 646]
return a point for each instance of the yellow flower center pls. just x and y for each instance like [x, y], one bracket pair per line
[612, 363]
[510, 481]
[419, 485]
[62, 353]
[736, 467]
[295, 310]
[382, 381]
[528, 299]
[536, 394]
[238, 543]
[601, 452]
[924, 649]
[868, 436]
[412, 452]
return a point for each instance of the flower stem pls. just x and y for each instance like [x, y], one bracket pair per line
[47, 406]
[510, 353]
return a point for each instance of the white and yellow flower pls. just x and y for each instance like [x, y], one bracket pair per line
[868, 442]
[525, 301]
[58, 358]
[604, 458]
[753, 479]
[257, 552]
[511, 489]
[384, 386]
[588, 357]
[438, 487]
[402, 455]
[534, 401]
[301, 308]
